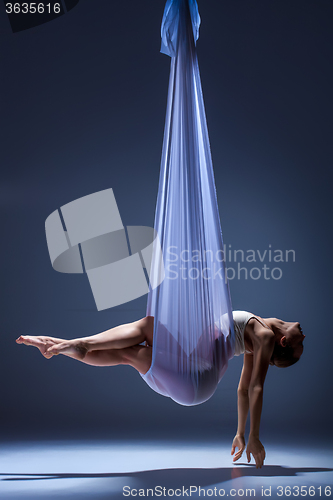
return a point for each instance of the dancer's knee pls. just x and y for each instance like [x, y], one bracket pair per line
[147, 327]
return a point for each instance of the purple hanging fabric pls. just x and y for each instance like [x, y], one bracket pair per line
[193, 326]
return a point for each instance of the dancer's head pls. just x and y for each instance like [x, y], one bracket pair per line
[288, 346]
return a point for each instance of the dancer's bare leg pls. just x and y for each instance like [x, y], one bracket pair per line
[123, 336]
[119, 345]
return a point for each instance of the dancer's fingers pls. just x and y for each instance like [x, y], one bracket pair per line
[238, 455]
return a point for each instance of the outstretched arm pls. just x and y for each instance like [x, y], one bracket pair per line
[242, 406]
[262, 354]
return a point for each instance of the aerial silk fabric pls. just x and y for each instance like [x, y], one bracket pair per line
[193, 326]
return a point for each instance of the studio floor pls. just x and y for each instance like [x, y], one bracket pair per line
[119, 469]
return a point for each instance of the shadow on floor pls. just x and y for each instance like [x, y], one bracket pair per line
[176, 478]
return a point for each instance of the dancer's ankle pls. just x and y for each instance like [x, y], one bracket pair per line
[81, 347]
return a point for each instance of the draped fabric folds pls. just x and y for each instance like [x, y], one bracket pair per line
[193, 326]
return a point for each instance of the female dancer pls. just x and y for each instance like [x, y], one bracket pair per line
[263, 342]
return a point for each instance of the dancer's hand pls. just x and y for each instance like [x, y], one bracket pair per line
[238, 442]
[255, 447]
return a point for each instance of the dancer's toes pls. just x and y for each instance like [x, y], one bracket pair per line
[28, 340]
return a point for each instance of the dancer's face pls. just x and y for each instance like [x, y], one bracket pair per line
[295, 338]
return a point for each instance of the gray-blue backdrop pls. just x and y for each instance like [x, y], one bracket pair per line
[83, 106]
